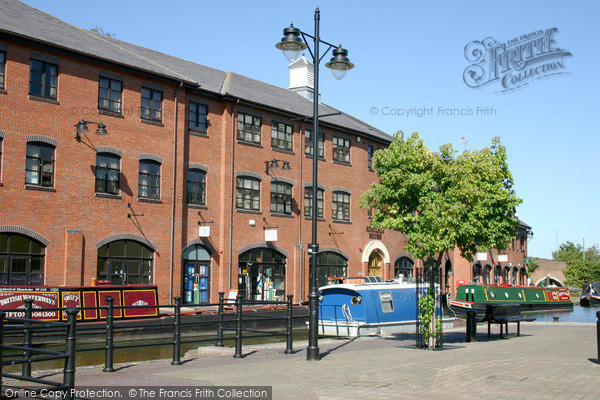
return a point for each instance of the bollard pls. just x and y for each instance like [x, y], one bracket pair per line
[238, 329]
[598, 335]
[289, 349]
[26, 368]
[108, 353]
[471, 326]
[69, 371]
[177, 334]
[220, 326]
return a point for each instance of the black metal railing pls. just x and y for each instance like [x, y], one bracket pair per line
[26, 354]
[234, 326]
[428, 281]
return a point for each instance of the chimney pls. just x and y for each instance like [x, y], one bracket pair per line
[302, 78]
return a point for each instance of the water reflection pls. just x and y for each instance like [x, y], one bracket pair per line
[578, 314]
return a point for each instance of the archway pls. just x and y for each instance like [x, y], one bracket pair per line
[375, 266]
[262, 274]
[21, 260]
[125, 262]
[196, 274]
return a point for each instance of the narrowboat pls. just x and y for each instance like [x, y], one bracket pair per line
[590, 296]
[531, 298]
[363, 306]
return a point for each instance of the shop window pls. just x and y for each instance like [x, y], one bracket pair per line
[21, 260]
[404, 267]
[247, 194]
[308, 202]
[262, 274]
[151, 107]
[110, 92]
[330, 267]
[197, 117]
[39, 164]
[196, 271]
[125, 262]
[107, 173]
[43, 79]
[282, 136]
[281, 198]
[196, 187]
[149, 180]
[248, 128]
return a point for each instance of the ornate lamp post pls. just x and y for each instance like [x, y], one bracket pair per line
[292, 45]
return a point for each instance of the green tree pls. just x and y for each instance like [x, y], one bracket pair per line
[443, 199]
[581, 268]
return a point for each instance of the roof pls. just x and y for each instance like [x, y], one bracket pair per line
[524, 225]
[19, 19]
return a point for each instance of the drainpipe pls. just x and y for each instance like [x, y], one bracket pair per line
[174, 197]
[232, 185]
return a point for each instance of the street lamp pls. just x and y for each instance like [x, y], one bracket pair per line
[291, 45]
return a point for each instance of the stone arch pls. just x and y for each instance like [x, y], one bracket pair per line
[375, 245]
[552, 279]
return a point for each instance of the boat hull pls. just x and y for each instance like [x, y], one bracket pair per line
[349, 329]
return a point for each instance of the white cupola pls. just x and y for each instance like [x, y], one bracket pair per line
[302, 78]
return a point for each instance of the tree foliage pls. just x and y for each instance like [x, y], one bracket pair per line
[579, 270]
[442, 199]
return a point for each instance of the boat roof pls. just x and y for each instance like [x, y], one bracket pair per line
[371, 286]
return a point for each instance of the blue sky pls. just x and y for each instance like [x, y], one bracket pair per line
[410, 54]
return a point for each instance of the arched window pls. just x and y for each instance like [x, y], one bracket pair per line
[514, 276]
[125, 262]
[523, 277]
[497, 275]
[262, 274]
[21, 260]
[477, 271]
[330, 265]
[404, 266]
[196, 270]
[506, 275]
[375, 264]
[487, 272]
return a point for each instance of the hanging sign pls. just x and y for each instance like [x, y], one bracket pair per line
[270, 235]
[204, 231]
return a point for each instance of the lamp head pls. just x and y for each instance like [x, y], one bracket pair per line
[339, 63]
[291, 44]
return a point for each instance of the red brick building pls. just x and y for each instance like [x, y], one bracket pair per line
[203, 176]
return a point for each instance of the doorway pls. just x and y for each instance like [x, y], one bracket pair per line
[375, 264]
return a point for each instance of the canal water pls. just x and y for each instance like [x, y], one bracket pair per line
[578, 314]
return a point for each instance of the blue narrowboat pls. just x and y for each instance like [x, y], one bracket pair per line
[365, 308]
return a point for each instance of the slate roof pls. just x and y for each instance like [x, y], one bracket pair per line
[19, 19]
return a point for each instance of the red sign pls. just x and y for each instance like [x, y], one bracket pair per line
[15, 300]
[70, 299]
[564, 295]
[140, 298]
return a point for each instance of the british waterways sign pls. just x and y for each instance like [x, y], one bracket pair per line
[515, 63]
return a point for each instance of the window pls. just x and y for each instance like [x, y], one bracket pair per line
[107, 173]
[1, 159]
[151, 104]
[43, 79]
[2, 68]
[109, 95]
[281, 136]
[125, 262]
[197, 117]
[247, 194]
[370, 157]
[149, 183]
[341, 149]
[262, 274]
[506, 275]
[404, 267]
[387, 303]
[330, 265]
[308, 143]
[196, 276]
[308, 202]
[21, 260]
[341, 206]
[196, 186]
[497, 274]
[477, 272]
[39, 164]
[281, 198]
[248, 128]
[487, 271]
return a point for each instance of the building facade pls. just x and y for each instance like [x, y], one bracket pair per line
[193, 179]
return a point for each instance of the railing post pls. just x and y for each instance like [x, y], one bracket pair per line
[69, 371]
[2, 316]
[220, 326]
[598, 335]
[26, 368]
[238, 330]
[108, 353]
[289, 349]
[471, 326]
[177, 334]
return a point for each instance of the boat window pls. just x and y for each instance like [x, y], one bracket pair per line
[387, 305]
